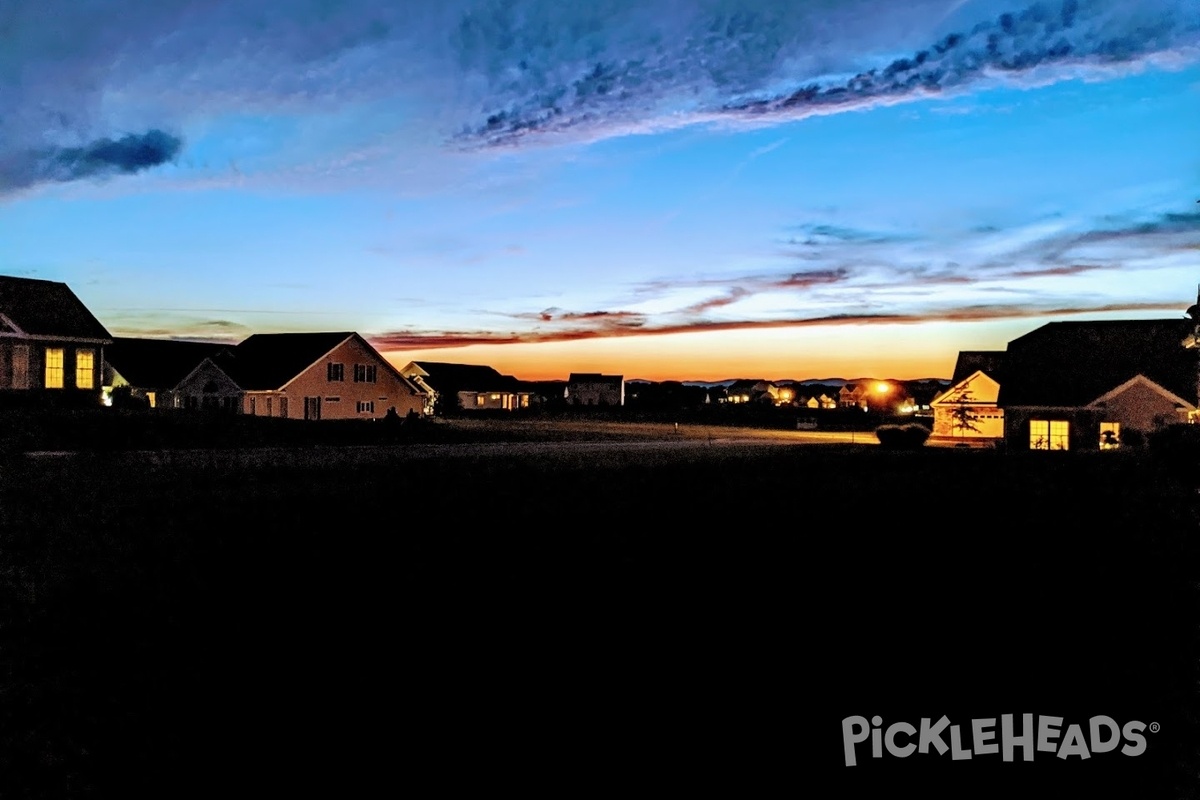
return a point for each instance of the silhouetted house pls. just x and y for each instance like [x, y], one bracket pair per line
[873, 395]
[51, 347]
[753, 391]
[335, 375]
[1084, 385]
[471, 387]
[969, 362]
[851, 395]
[594, 389]
[148, 369]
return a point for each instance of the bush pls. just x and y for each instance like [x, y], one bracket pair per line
[902, 437]
[1132, 437]
[1178, 445]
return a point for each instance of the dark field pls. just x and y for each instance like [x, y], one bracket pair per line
[550, 623]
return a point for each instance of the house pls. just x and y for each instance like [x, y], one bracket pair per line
[471, 387]
[594, 389]
[51, 346]
[754, 391]
[148, 369]
[873, 395]
[969, 411]
[1089, 385]
[327, 375]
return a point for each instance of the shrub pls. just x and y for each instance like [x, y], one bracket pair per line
[1178, 445]
[902, 437]
[1132, 437]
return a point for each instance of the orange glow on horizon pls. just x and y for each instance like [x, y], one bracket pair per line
[879, 350]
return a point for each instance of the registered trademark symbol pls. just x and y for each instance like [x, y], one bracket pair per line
[1155, 727]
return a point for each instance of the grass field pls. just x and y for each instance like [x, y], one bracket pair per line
[682, 618]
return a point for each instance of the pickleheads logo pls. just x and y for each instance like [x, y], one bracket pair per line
[902, 739]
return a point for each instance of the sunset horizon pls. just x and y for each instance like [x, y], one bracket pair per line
[667, 193]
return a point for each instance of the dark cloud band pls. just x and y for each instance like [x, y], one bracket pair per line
[100, 158]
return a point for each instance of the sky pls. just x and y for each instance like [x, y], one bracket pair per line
[656, 188]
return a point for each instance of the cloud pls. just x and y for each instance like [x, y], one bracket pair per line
[634, 88]
[358, 83]
[100, 158]
[422, 340]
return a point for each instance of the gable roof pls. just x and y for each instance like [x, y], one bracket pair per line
[445, 377]
[1071, 364]
[46, 308]
[157, 363]
[989, 362]
[960, 392]
[1142, 380]
[267, 361]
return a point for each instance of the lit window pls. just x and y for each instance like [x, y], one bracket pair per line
[480, 400]
[1110, 435]
[1059, 434]
[54, 368]
[495, 397]
[85, 374]
[335, 372]
[1049, 434]
[1039, 434]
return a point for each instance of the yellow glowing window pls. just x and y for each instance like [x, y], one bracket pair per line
[479, 400]
[85, 363]
[1110, 435]
[1049, 434]
[54, 368]
[1059, 434]
[1039, 434]
[495, 397]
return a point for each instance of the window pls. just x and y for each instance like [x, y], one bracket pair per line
[364, 373]
[269, 406]
[480, 400]
[366, 406]
[253, 409]
[85, 369]
[335, 372]
[54, 368]
[1110, 435]
[1049, 434]
[333, 399]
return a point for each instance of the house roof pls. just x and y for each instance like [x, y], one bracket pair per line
[267, 361]
[157, 363]
[989, 362]
[446, 377]
[46, 308]
[1073, 363]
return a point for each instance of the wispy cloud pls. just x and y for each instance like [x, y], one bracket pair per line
[421, 340]
[1043, 42]
[395, 83]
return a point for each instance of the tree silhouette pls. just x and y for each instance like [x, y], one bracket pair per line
[962, 415]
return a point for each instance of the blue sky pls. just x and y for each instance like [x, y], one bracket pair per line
[663, 189]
